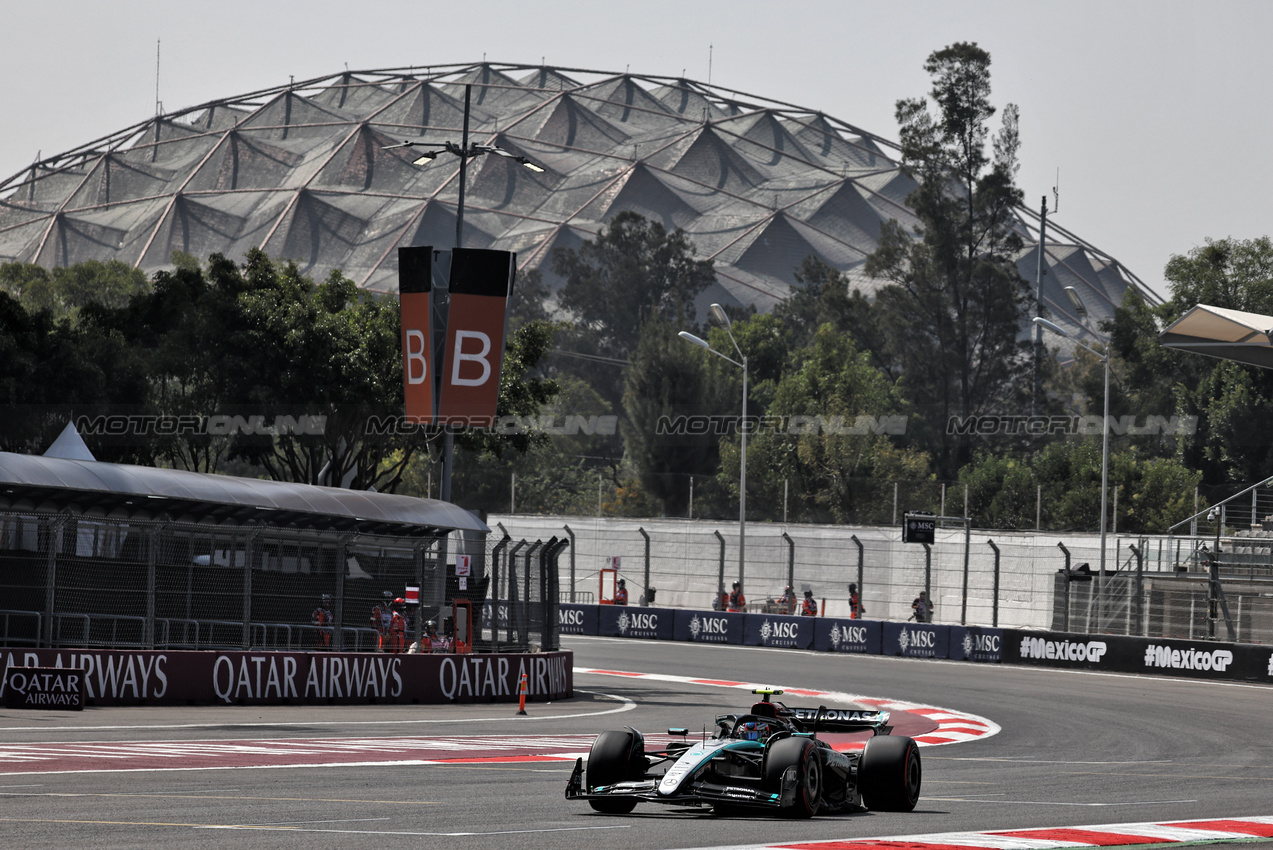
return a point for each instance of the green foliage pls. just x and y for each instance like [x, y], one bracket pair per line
[1154, 492]
[634, 270]
[669, 380]
[832, 466]
[955, 302]
[64, 290]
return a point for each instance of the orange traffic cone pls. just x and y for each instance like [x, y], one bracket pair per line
[521, 698]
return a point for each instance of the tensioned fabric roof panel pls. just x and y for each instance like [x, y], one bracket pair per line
[35, 479]
[303, 171]
[1223, 333]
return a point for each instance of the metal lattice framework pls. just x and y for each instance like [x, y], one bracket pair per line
[301, 171]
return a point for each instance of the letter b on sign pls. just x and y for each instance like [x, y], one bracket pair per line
[481, 282]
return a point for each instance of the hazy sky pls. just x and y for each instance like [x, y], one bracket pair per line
[1155, 113]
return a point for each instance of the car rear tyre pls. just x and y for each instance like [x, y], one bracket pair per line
[890, 774]
[615, 757]
[802, 754]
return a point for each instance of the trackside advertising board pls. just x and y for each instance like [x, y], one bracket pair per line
[778, 630]
[709, 626]
[624, 621]
[860, 636]
[47, 688]
[916, 640]
[148, 677]
[979, 644]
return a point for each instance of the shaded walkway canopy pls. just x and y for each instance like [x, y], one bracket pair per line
[1224, 334]
[91, 488]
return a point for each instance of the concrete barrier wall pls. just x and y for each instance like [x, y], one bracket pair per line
[978, 644]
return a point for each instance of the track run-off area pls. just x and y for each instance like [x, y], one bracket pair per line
[1014, 757]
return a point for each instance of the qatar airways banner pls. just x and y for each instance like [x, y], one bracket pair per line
[144, 677]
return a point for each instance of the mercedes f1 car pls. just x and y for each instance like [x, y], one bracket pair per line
[769, 758]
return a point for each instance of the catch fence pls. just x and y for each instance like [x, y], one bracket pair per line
[1153, 586]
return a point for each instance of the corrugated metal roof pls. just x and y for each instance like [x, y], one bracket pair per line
[96, 487]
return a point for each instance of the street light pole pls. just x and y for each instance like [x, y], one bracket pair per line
[1057, 329]
[719, 314]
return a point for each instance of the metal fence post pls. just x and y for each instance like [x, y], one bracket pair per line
[645, 598]
[994, 599]
[50, 580]
[720, 582]
[791, 560]
[861, 565]
[963, 608]
[496, 553]
[1140, 586]
[928, 577]
[1065, 621]
[571, 535]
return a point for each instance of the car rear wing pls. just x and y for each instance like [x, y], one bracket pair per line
[823, 719]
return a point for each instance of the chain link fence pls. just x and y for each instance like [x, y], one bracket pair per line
[1153, 586]
[68, 580]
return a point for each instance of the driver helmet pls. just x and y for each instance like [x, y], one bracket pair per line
[753, 731]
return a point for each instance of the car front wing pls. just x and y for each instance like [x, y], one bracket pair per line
[695, 792]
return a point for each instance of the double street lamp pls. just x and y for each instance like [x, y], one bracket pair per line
[718, 313]
[1081, 309]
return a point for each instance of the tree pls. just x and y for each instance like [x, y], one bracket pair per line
[826, 439]
[1004, 490]
[954, 303]
[633, 271]
[675, 411]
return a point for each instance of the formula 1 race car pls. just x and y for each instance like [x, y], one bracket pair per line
[768, 758]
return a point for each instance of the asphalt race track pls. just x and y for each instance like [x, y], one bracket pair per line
[1058, 750]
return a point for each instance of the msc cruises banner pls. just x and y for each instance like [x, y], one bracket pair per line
[626, 621]
[709, 626]
[916, 640]
[779, 630]
[832, 635]
[976, 643]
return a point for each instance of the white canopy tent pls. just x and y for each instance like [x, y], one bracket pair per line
[1224, 334]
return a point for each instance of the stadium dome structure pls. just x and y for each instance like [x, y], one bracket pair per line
[303, 172]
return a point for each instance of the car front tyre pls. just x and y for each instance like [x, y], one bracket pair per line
[613, 758]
